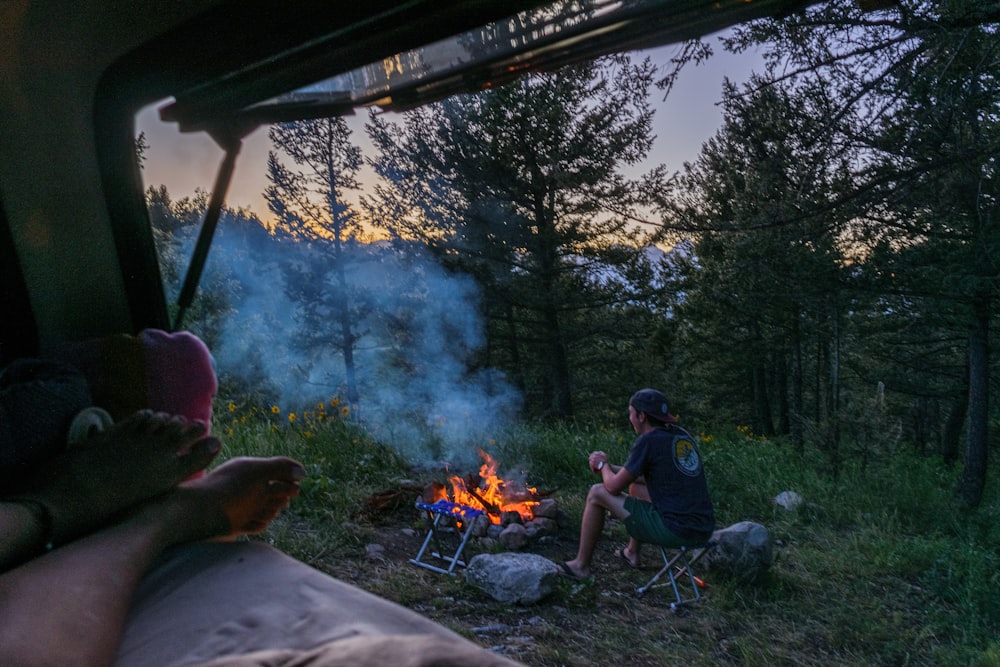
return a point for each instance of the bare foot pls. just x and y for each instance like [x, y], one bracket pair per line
[139, 458]
[240, 497]
[575, 570]
[632, 559]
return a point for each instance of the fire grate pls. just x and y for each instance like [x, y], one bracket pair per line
[461, 530]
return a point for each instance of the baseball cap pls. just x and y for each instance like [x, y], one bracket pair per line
[653, 403]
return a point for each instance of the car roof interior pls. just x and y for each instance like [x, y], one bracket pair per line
[77, 257]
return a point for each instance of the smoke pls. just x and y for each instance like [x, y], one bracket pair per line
[418, 336]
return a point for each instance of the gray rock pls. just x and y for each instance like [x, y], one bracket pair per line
[480, 525]
[745, 550]
[788, 500]
[520, 578]
[546, 508]
[513, 537]
[543, 525]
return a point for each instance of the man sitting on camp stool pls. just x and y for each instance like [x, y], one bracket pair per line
[667, 502]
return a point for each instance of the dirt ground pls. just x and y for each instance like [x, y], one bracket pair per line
[580, 623]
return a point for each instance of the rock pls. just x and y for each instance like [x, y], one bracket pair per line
[480, 525]
[350, 527]
[375, 551]
[788, 500]
[513, 537]
[745, 550]
[508, 518]
[543, 526]
[520, 578]
[546, 508]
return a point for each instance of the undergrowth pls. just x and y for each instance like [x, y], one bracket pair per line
[878, 565]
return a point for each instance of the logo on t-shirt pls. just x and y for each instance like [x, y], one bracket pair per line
[686, 456]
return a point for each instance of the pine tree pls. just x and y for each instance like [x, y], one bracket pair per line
[521, 186]
[311, 206]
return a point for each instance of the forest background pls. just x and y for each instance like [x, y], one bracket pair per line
[824, 273]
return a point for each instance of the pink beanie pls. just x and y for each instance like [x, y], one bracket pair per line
[156, 370]
[180, 378]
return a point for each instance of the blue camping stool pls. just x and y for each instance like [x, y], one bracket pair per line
[458, 521]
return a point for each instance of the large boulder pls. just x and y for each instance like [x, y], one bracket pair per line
[744, 550]
[521, 578]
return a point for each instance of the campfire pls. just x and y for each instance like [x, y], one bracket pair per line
[488, 492]
[483, 507]
[496, 512]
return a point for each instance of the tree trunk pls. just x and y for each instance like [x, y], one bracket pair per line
[562, 406]
[952, 435]
[513, 348]
[781, 380]
[973, 480]
[833, 396]
[761, 406]
[798, 403]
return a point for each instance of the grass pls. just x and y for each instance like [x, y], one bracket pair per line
[878, 567]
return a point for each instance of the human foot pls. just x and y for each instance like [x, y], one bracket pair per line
[240, 497]
[573, 570]
[137, 459]
[630, 559]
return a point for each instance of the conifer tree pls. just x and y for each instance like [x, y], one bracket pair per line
[521, 186]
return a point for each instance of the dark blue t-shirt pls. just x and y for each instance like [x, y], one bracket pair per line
[669, 460]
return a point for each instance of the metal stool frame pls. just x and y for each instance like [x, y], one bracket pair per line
[463, 516]
[679, 573]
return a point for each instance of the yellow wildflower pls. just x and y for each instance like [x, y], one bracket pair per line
[275, 409]
[291, 417]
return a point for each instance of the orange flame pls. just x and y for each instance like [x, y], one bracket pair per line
[502, 495]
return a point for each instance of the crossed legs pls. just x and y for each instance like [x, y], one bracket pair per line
[68, 606]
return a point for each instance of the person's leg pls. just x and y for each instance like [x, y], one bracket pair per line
[640, 491]
[599, 501]
[69, 606]
[139, 458]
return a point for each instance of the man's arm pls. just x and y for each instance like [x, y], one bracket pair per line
[614, 477]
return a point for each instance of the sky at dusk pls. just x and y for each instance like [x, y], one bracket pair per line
[682, 123]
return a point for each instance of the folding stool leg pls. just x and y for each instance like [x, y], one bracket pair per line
[432, 534]
[678, 566]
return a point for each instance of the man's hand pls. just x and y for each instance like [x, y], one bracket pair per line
[597, 460]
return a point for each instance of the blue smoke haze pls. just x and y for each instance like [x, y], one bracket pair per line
[418, 330]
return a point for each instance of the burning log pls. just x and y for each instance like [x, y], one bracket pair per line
[387, 501]
[434, 492]
[471, 487]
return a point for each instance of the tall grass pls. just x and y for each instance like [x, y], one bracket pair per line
[879, 565]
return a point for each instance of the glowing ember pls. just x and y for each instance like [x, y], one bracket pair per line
[493, 494]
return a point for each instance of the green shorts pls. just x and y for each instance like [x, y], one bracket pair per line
[645, 524]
